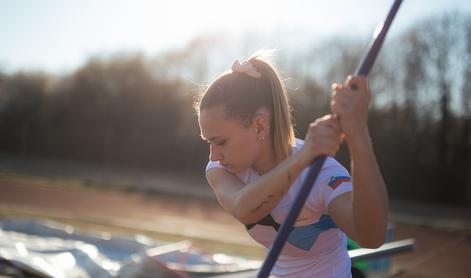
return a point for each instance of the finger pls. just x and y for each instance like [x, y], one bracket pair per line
[330, 121]
[345, 95]
[338, 123]
[339, 107]
[329, 118]
[357, 82]
[344, 91]
[322, 131]
[324, 118]
[339, 96]
[334, 123]
[336, 86]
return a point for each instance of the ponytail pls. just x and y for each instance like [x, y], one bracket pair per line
[242, 95]
[281, 127]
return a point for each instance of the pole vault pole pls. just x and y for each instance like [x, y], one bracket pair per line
[314, 169]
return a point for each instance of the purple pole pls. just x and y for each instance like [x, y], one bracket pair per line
[314, 169]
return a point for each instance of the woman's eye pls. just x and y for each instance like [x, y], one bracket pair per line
[221, 143]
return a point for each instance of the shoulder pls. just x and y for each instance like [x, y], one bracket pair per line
[333, 174]
[332, 164]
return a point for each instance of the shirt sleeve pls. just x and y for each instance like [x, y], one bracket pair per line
[212, 165]
[337, 182]
[333, 180]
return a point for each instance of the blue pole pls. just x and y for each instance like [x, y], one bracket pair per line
[314, 169]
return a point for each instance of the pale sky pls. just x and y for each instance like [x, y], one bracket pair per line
[58, 35]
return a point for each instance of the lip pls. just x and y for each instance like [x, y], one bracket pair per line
[224, 165]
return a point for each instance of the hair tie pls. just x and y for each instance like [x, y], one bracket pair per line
[246, 67]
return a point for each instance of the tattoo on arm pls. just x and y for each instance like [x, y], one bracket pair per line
[267, 201]
[282, 193]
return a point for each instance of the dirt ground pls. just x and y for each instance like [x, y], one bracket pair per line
[439, 253]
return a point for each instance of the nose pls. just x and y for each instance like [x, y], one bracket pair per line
[214, 155]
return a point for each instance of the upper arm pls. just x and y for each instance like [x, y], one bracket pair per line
[336, 196]
[226, 187]
[341, 211]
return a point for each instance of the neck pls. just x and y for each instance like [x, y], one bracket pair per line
[266, 159]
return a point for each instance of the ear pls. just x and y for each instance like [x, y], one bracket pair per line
[261, 122]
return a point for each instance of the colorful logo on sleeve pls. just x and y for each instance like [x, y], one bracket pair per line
[334, 182]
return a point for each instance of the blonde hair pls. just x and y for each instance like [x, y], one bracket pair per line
[242, 95]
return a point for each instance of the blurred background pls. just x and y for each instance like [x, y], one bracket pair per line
[96, 99]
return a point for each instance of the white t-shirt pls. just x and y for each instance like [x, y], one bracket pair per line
[316, 247]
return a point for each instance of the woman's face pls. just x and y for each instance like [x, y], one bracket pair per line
[235, 147]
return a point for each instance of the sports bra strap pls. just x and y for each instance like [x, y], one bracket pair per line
[265, 221]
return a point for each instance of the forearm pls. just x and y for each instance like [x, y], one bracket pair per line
[370, 198]
[257, 199]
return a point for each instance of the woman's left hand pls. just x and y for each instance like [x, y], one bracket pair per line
[351, 105]
[363, 214]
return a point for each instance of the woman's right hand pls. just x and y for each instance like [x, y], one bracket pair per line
[323, 137]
